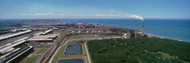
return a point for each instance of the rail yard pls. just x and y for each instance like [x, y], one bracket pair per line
[49, 43]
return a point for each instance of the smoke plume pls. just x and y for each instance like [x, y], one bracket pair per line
[137, 17]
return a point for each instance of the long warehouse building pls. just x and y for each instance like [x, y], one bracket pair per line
[13, 35]
[12, 52]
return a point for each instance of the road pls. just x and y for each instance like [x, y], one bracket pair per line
[64, 42]
[52, 50]
[89, 60]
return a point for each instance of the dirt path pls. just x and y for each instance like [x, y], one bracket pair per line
[89, 60]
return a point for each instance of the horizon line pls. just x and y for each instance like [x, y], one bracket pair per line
[84, 18]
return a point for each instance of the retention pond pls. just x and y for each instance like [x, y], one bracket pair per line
[73, 49]
[71, 61]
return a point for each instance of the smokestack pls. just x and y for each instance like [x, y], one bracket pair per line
[139, 18]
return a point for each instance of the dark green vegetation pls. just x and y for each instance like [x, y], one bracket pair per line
[139, 50]
[2, 30]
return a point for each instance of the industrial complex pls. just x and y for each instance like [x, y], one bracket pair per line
[11, 52]
[42, 42]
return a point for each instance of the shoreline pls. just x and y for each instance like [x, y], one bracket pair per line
[152, 35]
[149, 34]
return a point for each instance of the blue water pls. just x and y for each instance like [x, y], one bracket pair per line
[74, 49]
[170, 28]
[71, 61]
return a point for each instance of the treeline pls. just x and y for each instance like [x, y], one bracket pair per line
[2, 30]
[139, 50]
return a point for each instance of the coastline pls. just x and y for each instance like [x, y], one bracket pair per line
[158, 27]
[152, 35]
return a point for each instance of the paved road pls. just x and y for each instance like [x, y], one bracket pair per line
[89, 60]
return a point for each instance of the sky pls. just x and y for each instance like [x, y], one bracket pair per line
[94, 9]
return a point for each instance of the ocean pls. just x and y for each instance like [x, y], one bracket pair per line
[178, 29]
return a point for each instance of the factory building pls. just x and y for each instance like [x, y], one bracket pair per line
[14, 34]
[12, 52]
[43, 33]
[89, 28]
[76, 31]
[43, 39]
[43, 36]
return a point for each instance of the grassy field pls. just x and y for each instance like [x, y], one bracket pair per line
[40, 51]
[82, 36]
[2, 30]
[31, 59]
[60, 55]
[60, 39]
[34, 56]
[139, 50]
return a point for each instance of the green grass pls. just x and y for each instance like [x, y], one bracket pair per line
[34, 57]
[60, 39]
[139, 50]
[82, 36]
[39, 51]
[59, 54]
[31, 59]
[2, 30]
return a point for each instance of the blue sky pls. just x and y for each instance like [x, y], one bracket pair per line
[94, 9]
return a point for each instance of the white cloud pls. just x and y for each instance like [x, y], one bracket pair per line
[61, 15]
[40, 14]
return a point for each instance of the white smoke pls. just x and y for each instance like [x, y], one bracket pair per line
[137, 17]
